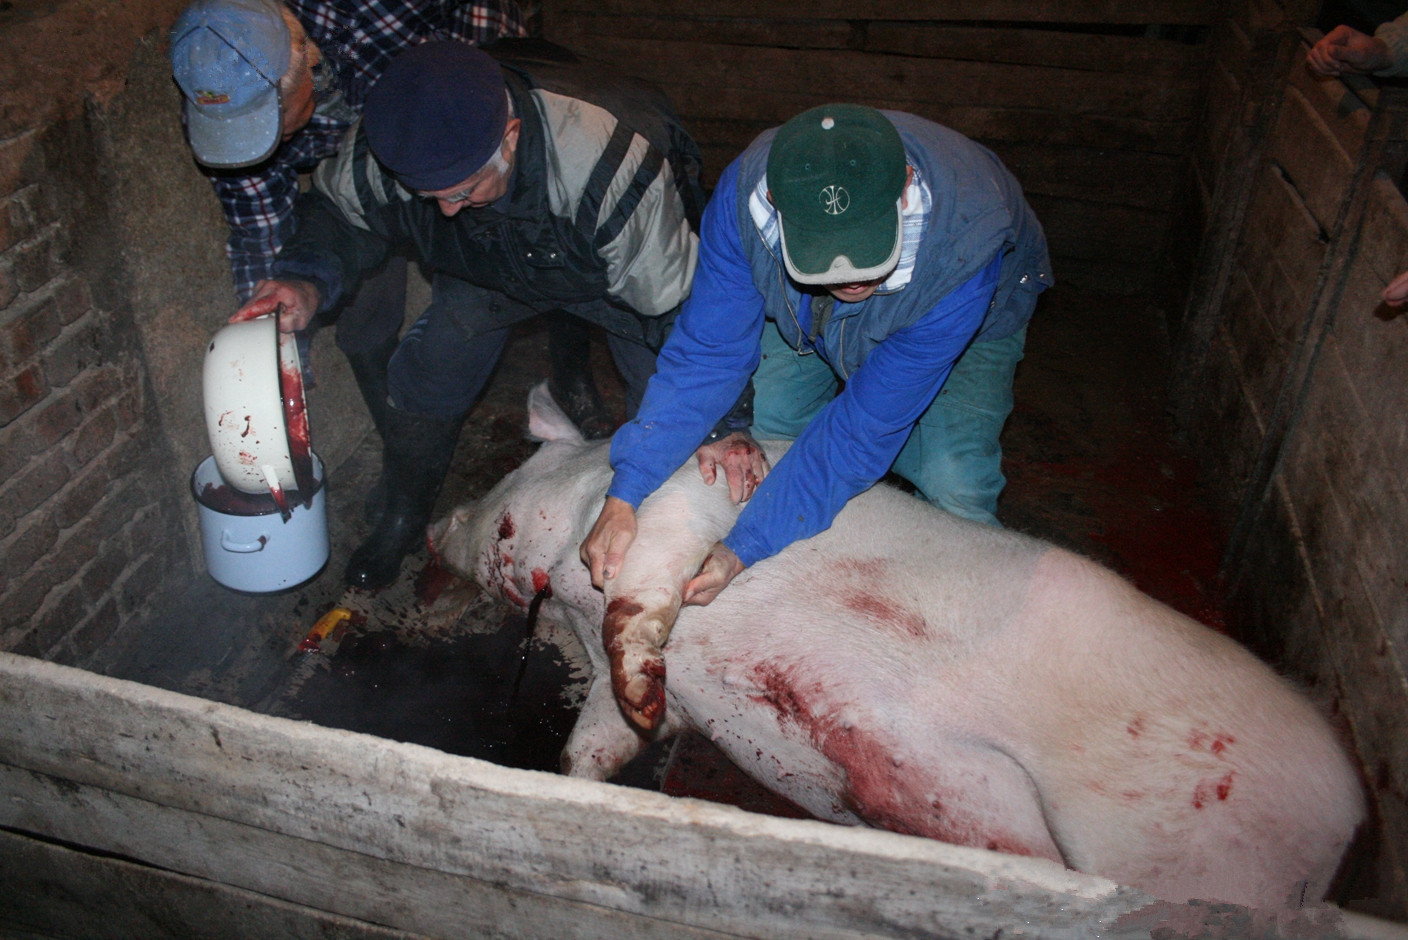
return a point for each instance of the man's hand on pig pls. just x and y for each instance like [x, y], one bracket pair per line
[296, 303]
[743, 462]
[605, 546]
[718, 570]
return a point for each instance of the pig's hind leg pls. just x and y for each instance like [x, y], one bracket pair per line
[950, 789]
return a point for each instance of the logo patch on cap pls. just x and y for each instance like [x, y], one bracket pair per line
[212, 97]
[834, 200]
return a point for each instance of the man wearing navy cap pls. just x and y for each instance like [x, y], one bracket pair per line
[537, 186]
[874, 252]
[269, 90]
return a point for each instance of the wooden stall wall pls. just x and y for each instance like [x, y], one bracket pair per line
[1091, 103]
[127, 811]
[1291, 379]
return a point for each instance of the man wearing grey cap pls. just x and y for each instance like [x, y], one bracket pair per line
[269, 91]
[873, 273]
[529, 186]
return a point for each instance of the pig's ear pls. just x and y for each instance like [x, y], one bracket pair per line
[547, 421]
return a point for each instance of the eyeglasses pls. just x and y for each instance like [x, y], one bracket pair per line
[453, 199]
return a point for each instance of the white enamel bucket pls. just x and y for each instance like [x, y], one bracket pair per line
[249, 544]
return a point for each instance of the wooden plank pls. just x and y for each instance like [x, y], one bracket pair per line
[685, 862]
[1375, 350]
[859, 76]
[1258, 67]
[1368, 668]
[1380, 149]
[1084, 230]
[1169, 12]
[1260, 357]
[56, 891]
[1318, 168]
[1101, 275]
[1224, 427]
[1220, 122]
[1383, 251]
[1341, 113]
[1283, 249]
[308, 874]
[1103, 177]
[708, 113]
[579, 30]
[1138, 55]
[1171, 60]
[1099, 177]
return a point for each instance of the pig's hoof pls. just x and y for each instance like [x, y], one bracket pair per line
[644, 702]
[642, 695]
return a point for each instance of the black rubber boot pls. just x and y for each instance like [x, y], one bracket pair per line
[369, 369]
[415, 459]
[571, 383]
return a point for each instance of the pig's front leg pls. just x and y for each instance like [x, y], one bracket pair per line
[675, 528]
[600, 743]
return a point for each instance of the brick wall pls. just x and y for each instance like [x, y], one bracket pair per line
[112, 281]
[82, 518]
[93, 521]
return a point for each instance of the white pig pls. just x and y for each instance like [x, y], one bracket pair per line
[917, 672]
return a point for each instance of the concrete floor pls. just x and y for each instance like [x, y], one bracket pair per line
[1091, 465]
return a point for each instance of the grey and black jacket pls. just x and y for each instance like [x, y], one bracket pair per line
[603, 206]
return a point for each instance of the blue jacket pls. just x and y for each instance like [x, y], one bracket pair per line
[975, 237]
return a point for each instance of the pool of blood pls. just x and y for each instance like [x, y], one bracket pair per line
[232, 502]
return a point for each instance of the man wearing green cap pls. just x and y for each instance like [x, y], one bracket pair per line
[873, 273]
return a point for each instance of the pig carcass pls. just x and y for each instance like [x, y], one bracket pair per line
[910, 670]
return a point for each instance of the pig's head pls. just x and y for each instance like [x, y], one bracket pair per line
[522, 538]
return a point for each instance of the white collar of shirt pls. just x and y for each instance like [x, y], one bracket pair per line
[918, 201]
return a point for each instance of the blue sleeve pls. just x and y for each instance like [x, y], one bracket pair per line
[852, 442]
[705, 363]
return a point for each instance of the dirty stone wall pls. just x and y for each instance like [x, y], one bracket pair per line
[112, 280]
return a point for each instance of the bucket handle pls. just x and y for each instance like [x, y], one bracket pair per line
[243, 548]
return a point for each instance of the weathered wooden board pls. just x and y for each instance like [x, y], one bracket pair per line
[1278, 269]
[1365, 666]
[1284, 248]
[1261, 353]
[360, 886]
[55, 891]
[859, 76]
[1310, 153]
[1169, 12]
[1228, 433]
[1131, 57]
[298, 810]
[1117, 178]
[1080, 229]
[1221, 121]
[1082, 174]
[1001, 43]
[734, 116]
[579, 30]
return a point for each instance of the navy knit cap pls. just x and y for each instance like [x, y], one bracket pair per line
[436, 114]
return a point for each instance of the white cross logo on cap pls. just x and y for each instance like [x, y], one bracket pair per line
[834, 199]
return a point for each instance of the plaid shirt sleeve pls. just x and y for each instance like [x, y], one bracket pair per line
[258, 205]
[358, 41]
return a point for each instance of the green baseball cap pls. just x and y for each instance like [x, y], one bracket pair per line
[835, 175]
